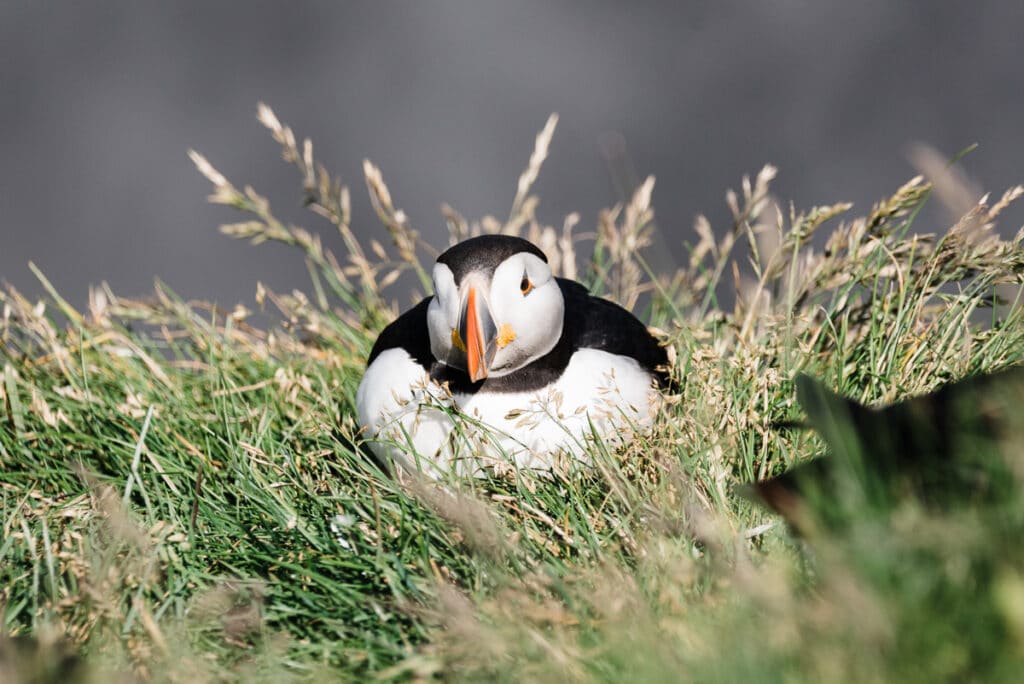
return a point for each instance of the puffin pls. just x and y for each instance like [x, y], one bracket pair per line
[507, 367]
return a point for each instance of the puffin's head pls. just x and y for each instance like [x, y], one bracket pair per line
[496, 306]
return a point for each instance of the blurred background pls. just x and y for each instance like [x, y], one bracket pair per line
[99, 104]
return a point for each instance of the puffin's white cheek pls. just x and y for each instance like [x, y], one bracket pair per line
[550, 317]
[451, 312]
[439, 331]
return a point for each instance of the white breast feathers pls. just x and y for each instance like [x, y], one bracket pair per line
[415, 423]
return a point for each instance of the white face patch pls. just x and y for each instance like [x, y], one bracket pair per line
[443, 312]
[528, 309]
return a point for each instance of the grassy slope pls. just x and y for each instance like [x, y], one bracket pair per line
[180, 496]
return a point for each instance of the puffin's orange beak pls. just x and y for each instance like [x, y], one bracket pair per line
[478, 332]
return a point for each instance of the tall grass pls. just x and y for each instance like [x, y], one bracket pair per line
[183, 497]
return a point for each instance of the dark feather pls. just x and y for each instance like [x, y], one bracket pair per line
[485, 253]
[942, 448]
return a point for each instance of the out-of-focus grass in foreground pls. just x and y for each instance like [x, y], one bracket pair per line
[183, 500]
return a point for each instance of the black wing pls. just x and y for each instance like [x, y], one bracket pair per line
[595, 323]
[409, 332]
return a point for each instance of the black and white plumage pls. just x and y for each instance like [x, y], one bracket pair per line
[506, 365]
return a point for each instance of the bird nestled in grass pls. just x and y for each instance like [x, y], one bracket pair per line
[505, 366]
[962, 444]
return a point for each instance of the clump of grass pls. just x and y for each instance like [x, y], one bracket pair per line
[183, 498]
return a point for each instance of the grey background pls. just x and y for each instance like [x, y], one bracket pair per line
[99, 103]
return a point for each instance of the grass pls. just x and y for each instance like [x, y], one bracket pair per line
[181, 497]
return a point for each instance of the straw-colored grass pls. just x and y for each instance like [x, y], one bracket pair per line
[182, 499]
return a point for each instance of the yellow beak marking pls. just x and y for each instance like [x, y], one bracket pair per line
[505, 335]
[457, 340]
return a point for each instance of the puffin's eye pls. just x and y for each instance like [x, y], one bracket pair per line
[525, 285]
